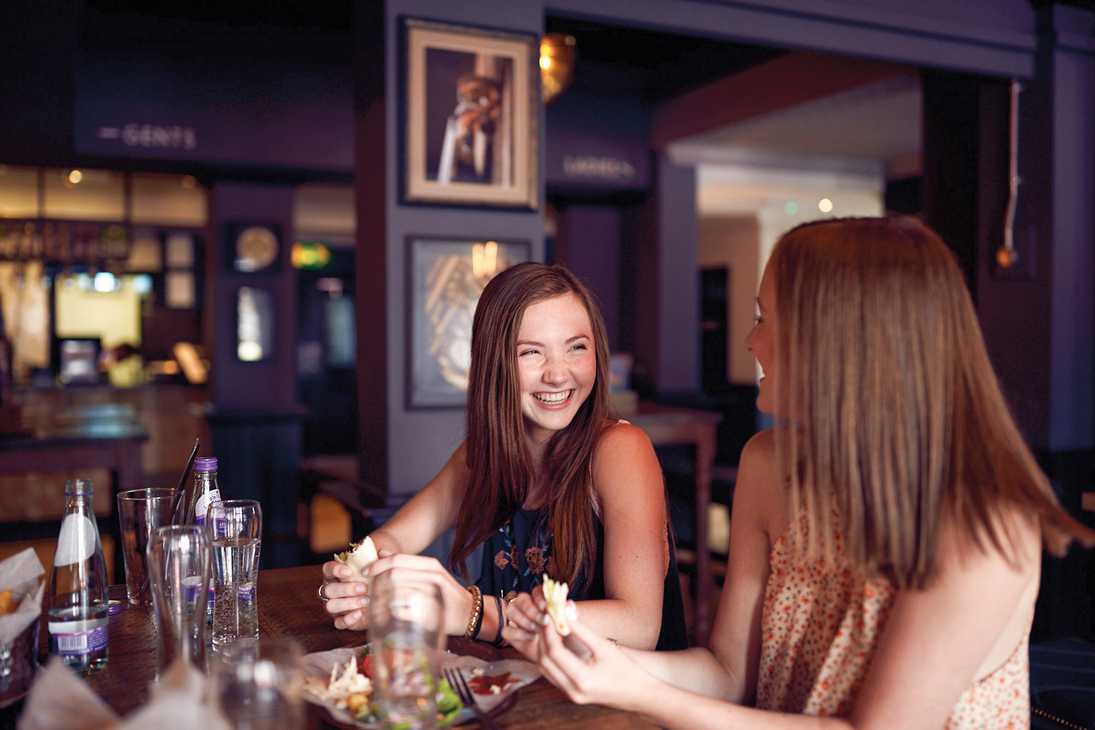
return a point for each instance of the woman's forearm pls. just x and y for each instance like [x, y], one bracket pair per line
[386, 542]
[696, 670]
[621, 622]
[671, 707]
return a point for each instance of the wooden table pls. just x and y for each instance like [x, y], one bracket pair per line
[288, 607]
[667, 425]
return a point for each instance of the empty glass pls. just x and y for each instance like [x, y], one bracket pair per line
[406, 638]
[178, 570]
[235, 533]
[257, 684]
[140, 511]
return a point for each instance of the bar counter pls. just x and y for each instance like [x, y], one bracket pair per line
[288, 607]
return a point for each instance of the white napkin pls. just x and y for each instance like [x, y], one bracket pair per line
[20, 574]
[59, 700]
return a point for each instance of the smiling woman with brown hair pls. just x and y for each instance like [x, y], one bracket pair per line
[546, 483]
[886, 536]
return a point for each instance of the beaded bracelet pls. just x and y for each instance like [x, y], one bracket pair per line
[475, 620]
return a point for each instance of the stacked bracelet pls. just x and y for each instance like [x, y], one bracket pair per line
[475, 620]
[501, 622]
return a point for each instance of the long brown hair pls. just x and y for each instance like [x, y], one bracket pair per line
[894, 414]
[499, 463]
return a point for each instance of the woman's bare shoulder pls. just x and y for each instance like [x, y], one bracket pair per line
[758, 490]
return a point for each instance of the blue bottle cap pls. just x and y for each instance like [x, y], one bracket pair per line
[205, 463]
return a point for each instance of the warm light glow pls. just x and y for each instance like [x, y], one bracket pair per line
[75, 176]
[189, 182]
[556, 64]
[484, 259]
[825, 205]
[309, 255]
[1006, 257]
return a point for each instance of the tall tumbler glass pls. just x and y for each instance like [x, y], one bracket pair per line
[258, 684]
[235, 532]
[407, 638]
[178, 569]
[140, 512]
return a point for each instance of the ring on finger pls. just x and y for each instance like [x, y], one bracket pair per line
[321, 593]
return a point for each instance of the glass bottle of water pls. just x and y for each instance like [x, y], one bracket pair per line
[206, 490]
[78, 606]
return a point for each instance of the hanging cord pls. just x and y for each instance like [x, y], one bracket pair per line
[1006, 255]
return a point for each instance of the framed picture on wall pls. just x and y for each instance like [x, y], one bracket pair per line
[445, 277]
[470, 116]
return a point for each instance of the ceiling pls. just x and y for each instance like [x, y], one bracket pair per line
[876, 127]
[618, 60]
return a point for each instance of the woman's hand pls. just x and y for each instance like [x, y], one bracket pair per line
[606, 676]
[419, 569]
[523, 616]
[347, 594]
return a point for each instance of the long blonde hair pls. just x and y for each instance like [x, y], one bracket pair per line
[894, 413]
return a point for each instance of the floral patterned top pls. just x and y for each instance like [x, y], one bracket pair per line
[819, 629]
[519, 553]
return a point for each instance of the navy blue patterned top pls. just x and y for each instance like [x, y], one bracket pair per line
[518, 554]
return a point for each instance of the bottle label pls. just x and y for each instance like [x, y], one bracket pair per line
[202, 505]
[71, 643]
[77, 540]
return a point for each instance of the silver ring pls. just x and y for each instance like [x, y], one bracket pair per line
[321, 593]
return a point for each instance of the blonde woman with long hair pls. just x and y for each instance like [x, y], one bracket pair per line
[886, 536]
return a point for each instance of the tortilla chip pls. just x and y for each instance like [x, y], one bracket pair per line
[555, 594]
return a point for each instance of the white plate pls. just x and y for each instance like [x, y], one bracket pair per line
[319, 664]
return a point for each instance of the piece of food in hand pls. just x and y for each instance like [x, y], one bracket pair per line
[359, 556]
[8, 604]
[555, 595]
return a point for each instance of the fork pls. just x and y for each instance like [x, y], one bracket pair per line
[456, 680]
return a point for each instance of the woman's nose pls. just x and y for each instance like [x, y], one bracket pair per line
[554, 372]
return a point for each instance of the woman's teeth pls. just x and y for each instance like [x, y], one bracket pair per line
[552, 398]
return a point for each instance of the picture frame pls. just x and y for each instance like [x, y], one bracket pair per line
[471, 114]
[445, 277]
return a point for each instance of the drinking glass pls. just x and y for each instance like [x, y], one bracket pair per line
[140, 511]
[407, 638]
[178, 570]
[235, 533]
[257, 683]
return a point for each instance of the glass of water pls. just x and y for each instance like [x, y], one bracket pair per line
[258, 684]
[406, 641]
[178, 569]
[235, 534]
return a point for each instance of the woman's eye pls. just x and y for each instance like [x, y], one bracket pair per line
[526, 352]
[580, 346]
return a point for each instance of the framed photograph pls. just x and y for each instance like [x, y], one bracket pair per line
[471, 114]
[445, 277]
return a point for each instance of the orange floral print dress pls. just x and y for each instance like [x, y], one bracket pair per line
[819, 629]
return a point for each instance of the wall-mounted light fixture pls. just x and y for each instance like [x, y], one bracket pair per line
[557, 56]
